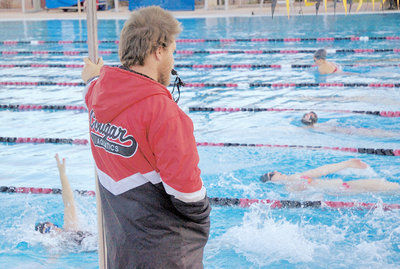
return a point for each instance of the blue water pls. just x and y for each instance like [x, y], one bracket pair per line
[240, 238]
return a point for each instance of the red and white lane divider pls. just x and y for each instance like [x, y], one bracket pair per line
[49, 52]
[271, 109]
[41, 140]
[29, 107]
[23, 107]
[41, 83]
[218, 40]
[211, 52]
[240, 202]
[200, 66]
[226, 85]
[36, 140]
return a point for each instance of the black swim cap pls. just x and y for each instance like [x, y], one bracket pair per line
[320, 54]
[43, 227]
[40, 226]
[311, 120]
[267, 177]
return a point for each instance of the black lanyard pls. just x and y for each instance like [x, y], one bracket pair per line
[177, 83]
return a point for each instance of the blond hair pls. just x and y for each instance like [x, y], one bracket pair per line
[147, 29]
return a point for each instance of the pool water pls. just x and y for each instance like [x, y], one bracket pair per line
[255, 237]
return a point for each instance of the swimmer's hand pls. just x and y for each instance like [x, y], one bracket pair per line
[60, 165]
[91, 70]
[356, 163]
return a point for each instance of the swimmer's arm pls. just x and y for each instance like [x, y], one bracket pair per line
[70, 215]
[295, 187]
[322, 71]
[332, 168]
[377, 132]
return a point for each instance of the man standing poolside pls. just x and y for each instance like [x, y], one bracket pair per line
[155, 207]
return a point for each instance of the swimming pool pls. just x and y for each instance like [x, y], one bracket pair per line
[255, 237]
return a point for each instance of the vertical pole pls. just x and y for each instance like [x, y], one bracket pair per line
[93, 56]
[117, 31]
[100, 228]
[92, 31]
[288, 8]
[205, 4]
[226, 4]
[116, 5]
[36, 5]
[23, 6]
[79, 7]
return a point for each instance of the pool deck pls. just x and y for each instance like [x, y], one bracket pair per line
[255, 10]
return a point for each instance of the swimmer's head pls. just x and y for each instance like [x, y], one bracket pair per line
[309, 118]
[273, 177]
[45, 227]
[320, 54]
[267, 177]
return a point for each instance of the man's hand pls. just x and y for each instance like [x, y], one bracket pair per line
[91, 70]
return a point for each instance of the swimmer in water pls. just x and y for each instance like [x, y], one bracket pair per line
[310, 120]
[324, 67]
[71, 223]
[311, 179]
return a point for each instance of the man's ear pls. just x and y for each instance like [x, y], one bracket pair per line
[158, 53]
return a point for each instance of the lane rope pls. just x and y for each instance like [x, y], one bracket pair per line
[41, 140]
[220, 40]
[37, 140]
[191, 52]
[225, 85]
[41, 83]
[239, 202]
[52, 108]
[23, 107]
[201, 66]
[271, 109]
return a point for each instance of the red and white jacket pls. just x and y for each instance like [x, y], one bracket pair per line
[140, 135]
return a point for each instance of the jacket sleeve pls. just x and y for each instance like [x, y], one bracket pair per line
[198, 212]
[173, 144]
[89, 86]
[172, 141]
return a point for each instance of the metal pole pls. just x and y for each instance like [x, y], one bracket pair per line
[23, 6]
[100, 221]
[116, 5]
[93, 56]
[79, 7]
[226, 4]
[92, 31]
